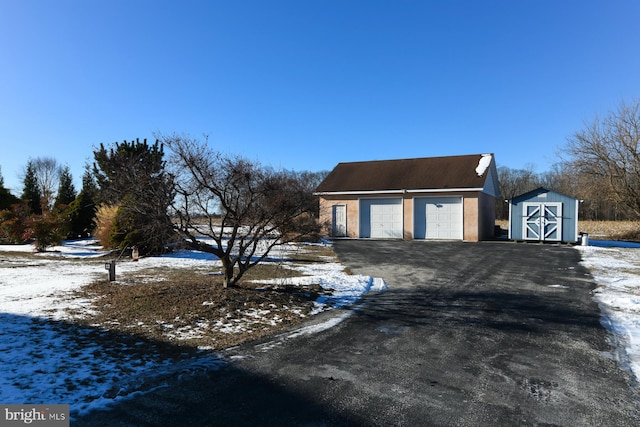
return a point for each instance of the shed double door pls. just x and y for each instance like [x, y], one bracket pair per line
[542, 221]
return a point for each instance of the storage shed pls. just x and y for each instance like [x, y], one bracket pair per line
[543, 215]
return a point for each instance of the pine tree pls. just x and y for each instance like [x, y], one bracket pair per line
[6, 198]
[132, 175]
[82, 211]
[66, 190]
[31, 192]
[89, 185]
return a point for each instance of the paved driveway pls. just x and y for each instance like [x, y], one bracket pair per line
[467, 335]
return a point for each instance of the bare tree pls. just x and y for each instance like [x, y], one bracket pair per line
[47, 171]
[242, 209]
[514, 182]
[607, 150]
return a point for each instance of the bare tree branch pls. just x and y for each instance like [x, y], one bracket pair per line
[243, 208]
[608, 151]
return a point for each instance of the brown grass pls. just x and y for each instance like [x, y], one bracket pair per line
[191, 309]
[611, 230]
[105, 217]
[166, 311]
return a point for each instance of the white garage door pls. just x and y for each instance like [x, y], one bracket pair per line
[381, 218]
[438, 218]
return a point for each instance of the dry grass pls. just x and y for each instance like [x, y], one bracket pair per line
[184, 312]
[191, 309]
[105, 217]
[611, 230]
[606, 230]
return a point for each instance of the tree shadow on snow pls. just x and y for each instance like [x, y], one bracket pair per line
[109, 378]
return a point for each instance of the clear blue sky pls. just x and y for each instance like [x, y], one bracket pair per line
[306, 84]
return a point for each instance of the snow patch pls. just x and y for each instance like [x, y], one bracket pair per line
[483, 164]
[314, 329]
[615, 266]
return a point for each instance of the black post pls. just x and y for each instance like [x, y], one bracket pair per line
[111, 266]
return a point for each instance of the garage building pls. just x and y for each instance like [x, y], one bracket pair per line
[447, 198]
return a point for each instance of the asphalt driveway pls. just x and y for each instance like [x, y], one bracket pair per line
[468, 334]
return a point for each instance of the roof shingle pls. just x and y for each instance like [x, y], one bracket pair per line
[426, 173]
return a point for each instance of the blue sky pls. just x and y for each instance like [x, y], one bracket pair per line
[304, 85]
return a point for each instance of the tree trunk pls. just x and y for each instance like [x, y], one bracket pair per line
[227, 270]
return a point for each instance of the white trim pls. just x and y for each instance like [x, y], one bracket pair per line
[509, 229]
[355, 193]
[577, 209]
[540, 220]
[446, 190]
[379, 197]
[368, 192]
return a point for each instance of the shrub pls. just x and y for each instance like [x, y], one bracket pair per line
[13, 224]
[105, 219]
[82, 213]
[48, 229]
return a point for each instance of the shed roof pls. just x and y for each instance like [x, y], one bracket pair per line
[427, 173]
[534, 193]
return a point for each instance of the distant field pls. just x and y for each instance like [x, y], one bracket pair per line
[610, 230]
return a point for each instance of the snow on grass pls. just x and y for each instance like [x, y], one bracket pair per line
[344, 289]
[616, 268]
[48, 359]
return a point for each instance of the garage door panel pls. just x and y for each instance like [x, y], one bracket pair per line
[381, 218]
[438, 218]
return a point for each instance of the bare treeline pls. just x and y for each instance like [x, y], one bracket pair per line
[600, 165]
[597, 203]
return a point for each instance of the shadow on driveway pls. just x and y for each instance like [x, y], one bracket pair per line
[466, 335]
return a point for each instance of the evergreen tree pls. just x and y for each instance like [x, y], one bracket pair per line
[132, 175]
[31, 192]
[89, 186]
[6, 198]
[127, 167]
[66, 190]
[82, 210]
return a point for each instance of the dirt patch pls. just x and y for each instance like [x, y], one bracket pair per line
[197, 311]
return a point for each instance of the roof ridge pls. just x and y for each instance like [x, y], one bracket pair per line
[419, 158]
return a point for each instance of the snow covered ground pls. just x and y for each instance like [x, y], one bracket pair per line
[47, 359]
[616, 268]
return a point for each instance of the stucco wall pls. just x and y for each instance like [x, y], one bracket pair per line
[408, 217]
[478, 211]
[470, 211]
[326, 214]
